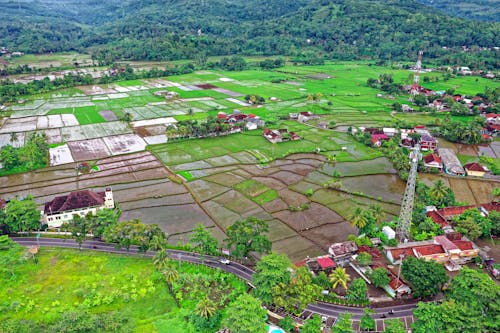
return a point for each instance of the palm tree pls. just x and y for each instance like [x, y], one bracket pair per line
[158, 243]
[171, 275]
[378, 213]
[358, 218]
[439, 191]
[161, 259]
[205, 308]
[339, 276]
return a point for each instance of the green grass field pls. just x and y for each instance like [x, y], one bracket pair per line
[65, 280]
[84, 115]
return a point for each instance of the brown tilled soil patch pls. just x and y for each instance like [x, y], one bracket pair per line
[287, 177]
[236, 202]
[206, 86]
[258, 171]
[225, 179]
[326, 235]
[305, 156]
[297, 248]
[314, 216]
[292, 198]
[275, 206]
[298, 168]
[271, 183]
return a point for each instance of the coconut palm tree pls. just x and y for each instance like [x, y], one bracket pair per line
[439, 191]
[339, 276]
[378, 213]
[171, 275]
[358, 218]
[205, 308]
[161, 259]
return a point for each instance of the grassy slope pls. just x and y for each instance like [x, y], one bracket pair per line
[66, 279]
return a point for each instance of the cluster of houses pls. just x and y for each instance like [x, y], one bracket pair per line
[345, 254]
[441, 159]
[7, 53]
[280, 135]
[303, 117]
[492, 126]
[252, 122]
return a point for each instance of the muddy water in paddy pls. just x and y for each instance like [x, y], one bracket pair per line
[388, 187]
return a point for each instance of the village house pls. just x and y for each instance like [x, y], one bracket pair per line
[377, 139]
[62, 209]
[433, 161]
[427, 142]
[280, 135]
[475, 169]
[342, 252]
[452, 165]
[306, 116]
[318, 264]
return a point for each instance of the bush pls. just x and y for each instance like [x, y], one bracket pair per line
[364, 259]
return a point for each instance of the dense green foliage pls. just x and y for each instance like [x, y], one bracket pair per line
[245, 236]
[166, 30]
[472, 305]
[21, 215]
[33, 155]
[426, 277]
[482, 10]
[270, 270]
[246, 315]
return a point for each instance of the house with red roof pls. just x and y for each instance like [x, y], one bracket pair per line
[62, 208]
[433, 161]
[377, 139]
[475, 169]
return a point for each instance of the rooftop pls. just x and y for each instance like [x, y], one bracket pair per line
[325, 262]
[464, 245]
[74, 200]
[436, 217]
[474, 167]
[426, 250]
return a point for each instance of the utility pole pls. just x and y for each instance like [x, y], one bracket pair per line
[416, 78]
[405, 215]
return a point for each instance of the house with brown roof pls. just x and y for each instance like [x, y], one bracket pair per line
[433, 161]
[475, 169]
[62, 208]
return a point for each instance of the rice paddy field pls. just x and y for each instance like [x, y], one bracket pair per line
[232, 177]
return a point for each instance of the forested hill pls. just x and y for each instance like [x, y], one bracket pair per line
[483, 10]
[169, 29]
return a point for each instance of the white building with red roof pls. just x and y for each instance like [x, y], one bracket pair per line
[62, 208]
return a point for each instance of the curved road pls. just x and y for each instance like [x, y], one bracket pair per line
[243, 272]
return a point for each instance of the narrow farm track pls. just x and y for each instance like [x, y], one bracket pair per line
[403, 312]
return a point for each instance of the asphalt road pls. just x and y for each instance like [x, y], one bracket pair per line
[324, 309]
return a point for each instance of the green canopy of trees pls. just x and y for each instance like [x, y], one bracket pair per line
[426, 277]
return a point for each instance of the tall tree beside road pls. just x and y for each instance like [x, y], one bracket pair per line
[171, 275]
[298, 293]
[343, 324]
[269, 271]
[367, 323]
[79, 229]
[203, 241]
[21, 215]
[312, 325]
[245, 236]
[245, 315]
[426, 277]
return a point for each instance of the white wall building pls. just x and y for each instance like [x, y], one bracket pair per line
[62, 209]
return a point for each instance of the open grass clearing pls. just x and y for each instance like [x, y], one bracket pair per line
[129, 289]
